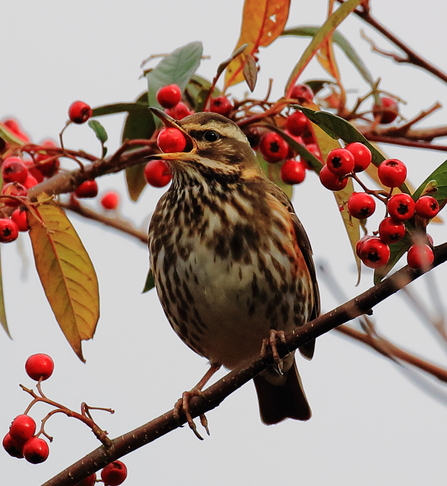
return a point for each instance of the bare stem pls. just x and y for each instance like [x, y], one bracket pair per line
[216, 393]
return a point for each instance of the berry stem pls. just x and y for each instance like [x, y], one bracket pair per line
[84, 416]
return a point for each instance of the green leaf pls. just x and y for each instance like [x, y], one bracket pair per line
[325, 30]
[66, 273]
[439, 177]
[9, 136]
[139, 106]
[342, 42]
[338, 127]
[150, 282]
[176, 68]
[100, 133]
[139, 124]
[310, 158]
[3, 320]
[196, 92]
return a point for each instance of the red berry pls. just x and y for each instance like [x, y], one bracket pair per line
[157, 173]
[392, 172]
[34, 171]
[302, 92]
[361, 205]
[340, 162]
[16, 129]
[331, 181]
[79, 112]
[391, 231]
[19, 218]
[30, 182]
[39, 366]
[46, 164]
[221, 105]
[387, 111]
[169, 96]
[36, 450]
[114, 473]
[362, 155]
[273, 147]
[293, 172]
[87, 189]
[8, 230]
[359, 244]
[14, 170]
[90, 481]
[13, 189]
[179, 112]
[253, 136]
[22, 428]
[171, 140]
[420, 256]
[13, 448]
[374, 253]
[401, 207]
[427, 207]
[110, 200]
[314, 150]
[297, 123]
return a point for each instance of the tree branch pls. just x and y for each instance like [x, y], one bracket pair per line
[217, 392]
[412, 57]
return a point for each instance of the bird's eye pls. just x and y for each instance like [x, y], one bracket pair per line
[211, 136]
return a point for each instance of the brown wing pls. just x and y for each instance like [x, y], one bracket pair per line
[306, 249]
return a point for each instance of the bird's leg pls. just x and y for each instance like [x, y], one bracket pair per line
[183, 402]
[271, 341]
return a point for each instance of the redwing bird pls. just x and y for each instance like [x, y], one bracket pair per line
[231, 260]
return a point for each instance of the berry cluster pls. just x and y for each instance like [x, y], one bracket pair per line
[22, 440]
[169, 140]
[23, 168]
[374, 250]
[275, 149]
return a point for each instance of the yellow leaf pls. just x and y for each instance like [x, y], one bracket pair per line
[262, 22]
[325, 144]
[3, 320]
[326, 56]
[319, 38]
[66, 272]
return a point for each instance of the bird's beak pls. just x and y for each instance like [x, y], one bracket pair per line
[168, 121]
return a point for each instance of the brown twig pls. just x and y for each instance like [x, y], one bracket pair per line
[394, 351]
[217, 392]
[113, 222]
[411, 56]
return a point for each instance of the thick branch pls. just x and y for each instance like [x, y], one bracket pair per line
[217, 392]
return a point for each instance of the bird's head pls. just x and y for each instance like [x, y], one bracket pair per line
[215, 147]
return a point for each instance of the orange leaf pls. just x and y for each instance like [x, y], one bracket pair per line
[66, 273]
[319, 39]
[262, 22]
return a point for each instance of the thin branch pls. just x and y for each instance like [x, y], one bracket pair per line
[412, 57]
[394, 351]
[217, 392]
[113, 222]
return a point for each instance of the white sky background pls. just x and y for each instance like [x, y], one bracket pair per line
[370, 424]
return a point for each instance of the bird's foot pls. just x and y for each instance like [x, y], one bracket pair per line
[271, 342]
[182, 405]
